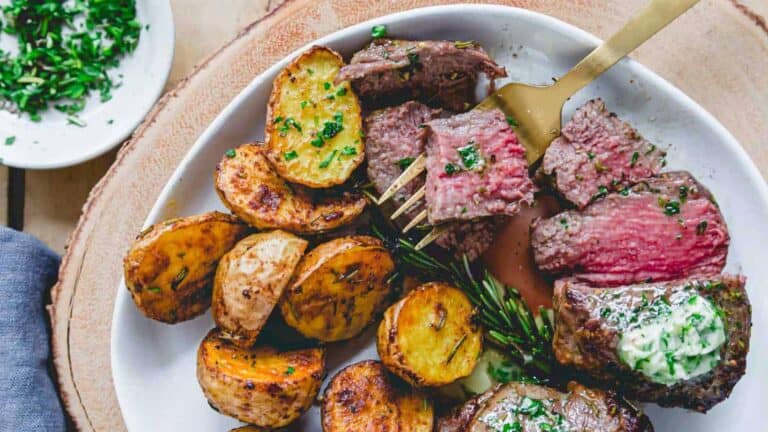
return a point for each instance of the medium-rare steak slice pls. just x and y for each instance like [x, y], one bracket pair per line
[476, 167]
[663, 228]
[394, 138]
[440, 72]
[532, 408]
[682, 343]
[596, 149]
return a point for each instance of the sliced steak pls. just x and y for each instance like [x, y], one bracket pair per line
[440, 72]
[597, 149]
[476, 167]
[663, 228]
[394, 137]
[534, 408]
[603, 331]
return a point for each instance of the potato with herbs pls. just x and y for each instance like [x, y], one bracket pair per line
[250, 280]
[260, 386]
[249, 186]
[429, 337]
[365, 397]
[314, 127]
[170, 266]
[338, 288]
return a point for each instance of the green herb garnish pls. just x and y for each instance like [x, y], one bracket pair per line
[635, 156]
[290, 370]
[10, 140]
[378, 31]
[230, 153]
[470, 156]
[450, 169]
[60, 63]
[349, 151]
[512, 121]
[290, 155]
[701, 227]
[404, 163]
[327, 160]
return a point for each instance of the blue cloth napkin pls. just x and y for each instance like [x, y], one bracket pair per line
[28, 399]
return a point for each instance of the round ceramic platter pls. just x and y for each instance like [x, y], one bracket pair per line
[153, 364]
[55, 143]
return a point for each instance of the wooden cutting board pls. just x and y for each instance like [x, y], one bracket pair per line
[717, 54]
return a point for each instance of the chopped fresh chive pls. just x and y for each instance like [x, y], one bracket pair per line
[290, 155]
[154, 289]
[59, 63]
[635, 156]
[230, 153]
[512, 121]
[341, 91]
[327, 85]
[470, 156]
[450, 169]
[404, 162]
[378, 31]
[349, 151]
[303, 104]
[10, 140]
[701, 227]
[327, 160]
[290, 370]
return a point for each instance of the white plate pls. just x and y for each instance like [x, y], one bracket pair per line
[53, 143]
[153, 364]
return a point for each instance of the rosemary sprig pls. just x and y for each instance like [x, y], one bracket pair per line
[507, 319]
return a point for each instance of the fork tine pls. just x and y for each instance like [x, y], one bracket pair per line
[432, 236]
[417, 167]
[411, 201]
[418, 219]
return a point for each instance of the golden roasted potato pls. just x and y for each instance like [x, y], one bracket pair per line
[338, 288]
[364, 397]
[429, 337]
[250, 187]
[250, 280]
[314, 128]
[169, 268]
[260, 386]
[248, 428]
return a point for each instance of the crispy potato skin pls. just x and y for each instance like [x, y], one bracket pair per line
[249, 186]
[364, 397]
[170, 266]
[300, 95]
[250, 280]
[429, 337]
[338, 288]
[260, 386]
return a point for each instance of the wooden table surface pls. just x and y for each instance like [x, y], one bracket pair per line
[53, 199]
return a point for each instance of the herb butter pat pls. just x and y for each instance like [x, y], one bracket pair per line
[680, 342]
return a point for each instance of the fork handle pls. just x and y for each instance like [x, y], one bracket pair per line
[652, 18]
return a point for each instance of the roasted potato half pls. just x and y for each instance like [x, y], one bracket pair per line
[250, 280]
[169, 268]
[338, 288]
[259, 386]
[365, 397]
[429, 337]
[249, 428]
[314, 128]
[250, 187]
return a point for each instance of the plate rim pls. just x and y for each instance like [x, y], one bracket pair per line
[724, 136]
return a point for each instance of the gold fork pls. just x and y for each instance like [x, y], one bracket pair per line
[538, 109]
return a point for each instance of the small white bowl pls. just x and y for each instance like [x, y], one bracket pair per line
[54, 143]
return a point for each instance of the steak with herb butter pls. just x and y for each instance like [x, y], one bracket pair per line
[532, 408]
[394, 137]
[597, 150]
[441, 72]
[682, 343]
[663, 228]
[476, 167]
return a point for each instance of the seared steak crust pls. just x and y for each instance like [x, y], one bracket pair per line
[583, 409]
[663, 228]
[596, 149]
[587, 342]
[395, 136]
[440, 72]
